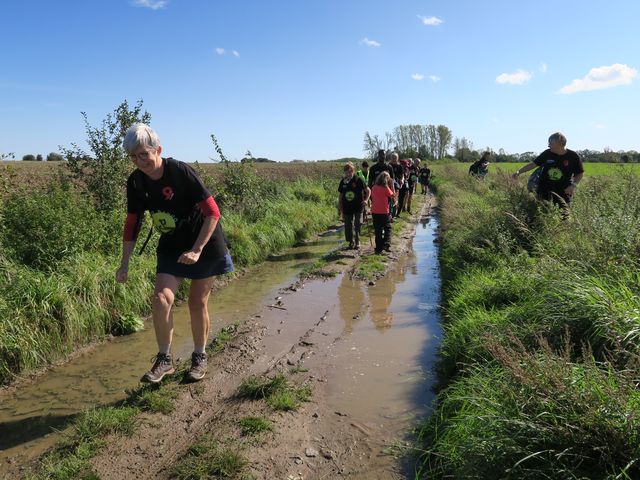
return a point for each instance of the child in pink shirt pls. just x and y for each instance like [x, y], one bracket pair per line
[380, 195]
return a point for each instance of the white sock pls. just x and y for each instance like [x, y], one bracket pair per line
[164, 349]
[199, 349]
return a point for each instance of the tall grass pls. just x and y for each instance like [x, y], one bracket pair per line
[538, 369]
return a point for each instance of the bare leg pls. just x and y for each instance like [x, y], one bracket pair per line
[163, 297]
[198, 298]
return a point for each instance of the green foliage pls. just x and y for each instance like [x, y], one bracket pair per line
[542, 328]
[208, 459]
[41, 229]
[105, 171]
[29, 158]
[279, 393]
[54, 157]
[254, 425]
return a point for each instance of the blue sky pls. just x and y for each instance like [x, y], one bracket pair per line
[304, 79]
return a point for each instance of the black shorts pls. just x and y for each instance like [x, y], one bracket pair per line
[199, 270]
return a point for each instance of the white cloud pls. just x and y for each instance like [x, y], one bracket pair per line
[520, 77]
[543, 67]
[433, 21]
[417, 76]
[602, 77]
[152, 4]
[434, 78]
[600, 126]
[235, 53]
[369, 43]
[220, 51]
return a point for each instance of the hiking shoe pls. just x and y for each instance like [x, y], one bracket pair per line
[198, 367]
[162, 365]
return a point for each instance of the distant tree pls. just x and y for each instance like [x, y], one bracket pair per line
[29, 158]
[105, 171]
[54, 157]
[7, 156]
[444, 139]
[39, 158]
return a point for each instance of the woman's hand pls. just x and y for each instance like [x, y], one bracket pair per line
[122, 274]
[189, 258]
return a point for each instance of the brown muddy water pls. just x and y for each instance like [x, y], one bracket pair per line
[30, 415]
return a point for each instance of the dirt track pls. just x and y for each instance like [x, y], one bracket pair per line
[314, 442]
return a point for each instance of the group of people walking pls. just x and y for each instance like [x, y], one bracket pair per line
[192, 244]
[384, 190]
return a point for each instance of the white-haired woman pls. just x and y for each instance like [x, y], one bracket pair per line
[192, 244]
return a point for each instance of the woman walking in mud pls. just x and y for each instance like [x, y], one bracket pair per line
[191, 245]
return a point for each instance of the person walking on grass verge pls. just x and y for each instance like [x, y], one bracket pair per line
[424, 176]
[192, 244]
[381, 195]
[352, 198]
[561, 171]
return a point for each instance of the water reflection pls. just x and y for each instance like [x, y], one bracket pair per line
[353, 304]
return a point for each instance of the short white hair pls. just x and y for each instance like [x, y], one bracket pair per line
[140, 134]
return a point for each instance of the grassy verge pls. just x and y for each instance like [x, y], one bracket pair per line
[539, 360]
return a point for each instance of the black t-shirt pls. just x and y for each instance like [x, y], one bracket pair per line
[376, 169]
[557, 171]
[398, 172]
[352, 194]
[172, 202]
[424, 173]
[412, 175]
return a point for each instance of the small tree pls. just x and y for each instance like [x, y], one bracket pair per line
[54, 157]
[38, 158]
[29, 158]
[105, 171]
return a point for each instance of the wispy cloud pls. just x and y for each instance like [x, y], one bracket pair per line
[543, 67]
[152, 4]
[369, 43]
[433, 21]
[434, 78]
[417, 76]
[220, 51]
[602, 77]
[235, 53]
[600, 126]
[519, 77]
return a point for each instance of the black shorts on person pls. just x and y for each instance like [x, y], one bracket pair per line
[203, 268]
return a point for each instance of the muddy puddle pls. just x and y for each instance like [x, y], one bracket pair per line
[373, 348]
[102, 375]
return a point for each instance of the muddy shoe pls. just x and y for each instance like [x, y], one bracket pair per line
[162, 365]
[198, 367]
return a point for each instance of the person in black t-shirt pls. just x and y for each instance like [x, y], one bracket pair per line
[398, 183]
[192, 244]
[353, 196]
[379, 167]
[424, 175]
[412, 180]
[480, 168]
[561, 171]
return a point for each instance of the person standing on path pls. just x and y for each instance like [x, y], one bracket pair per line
[353, 196]
[192, 244]
[412, 180]
[379, 167]
[561, 171]
[424, 175]
[381, 195]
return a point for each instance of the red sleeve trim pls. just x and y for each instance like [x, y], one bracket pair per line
[132, 225]
[210, 208]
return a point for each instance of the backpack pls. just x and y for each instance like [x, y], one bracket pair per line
[534, 180]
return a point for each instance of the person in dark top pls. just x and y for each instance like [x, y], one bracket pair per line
[192, 244]
[412, 180]
[424, 175]
[480, 168]
[398, 182]
[561, 171]
[379, 167]
[404, 187]
[353, 196]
